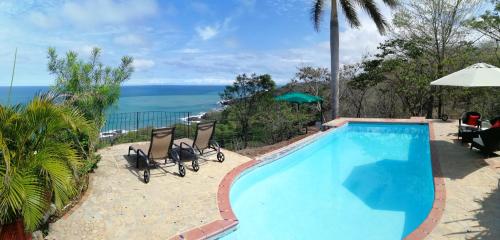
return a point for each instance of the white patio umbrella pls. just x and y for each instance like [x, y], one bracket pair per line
[477, 75]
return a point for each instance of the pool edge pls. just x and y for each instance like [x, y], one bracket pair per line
[229, 222]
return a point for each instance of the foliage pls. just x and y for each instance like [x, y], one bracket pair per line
[245, 94]
[88, 85]
[370, 76]
[39, 158]
[314, 81]
[434, 26]
[277, 121]
[488, 24]
[349, 10]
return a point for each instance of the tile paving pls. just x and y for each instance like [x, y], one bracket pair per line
[118, 205]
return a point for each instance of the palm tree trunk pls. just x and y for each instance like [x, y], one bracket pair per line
[334, 54]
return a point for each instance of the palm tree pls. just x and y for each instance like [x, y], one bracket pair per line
[39, 158]
[349, 9]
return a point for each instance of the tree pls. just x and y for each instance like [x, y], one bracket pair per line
[488, 24]
[89, 86]
[370, 76]
[39, 163]
[437, 26]
[349, 9]
[244, 96]
[312, 80]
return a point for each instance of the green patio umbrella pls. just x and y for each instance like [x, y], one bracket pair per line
[300, 98]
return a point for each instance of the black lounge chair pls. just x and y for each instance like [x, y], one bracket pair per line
[488, 141]
[468, 124]
[160, 147]
[203, 140]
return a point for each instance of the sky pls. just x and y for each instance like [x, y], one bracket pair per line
[175, 42]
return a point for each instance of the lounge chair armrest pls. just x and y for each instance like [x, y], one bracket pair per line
[186, 146]
[141, 153]
[214, 144]
[175, 155]
[182, 144]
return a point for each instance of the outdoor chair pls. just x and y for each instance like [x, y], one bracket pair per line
[468, 124]
[160, 147]
[203, 140]
[488, 141]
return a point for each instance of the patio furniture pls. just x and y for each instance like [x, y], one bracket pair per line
[477, 75]
[468, 124]
[203, 140]
[495, 122]
[160, 147]
[488, 141]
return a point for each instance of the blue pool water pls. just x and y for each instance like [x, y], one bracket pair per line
[361, 181]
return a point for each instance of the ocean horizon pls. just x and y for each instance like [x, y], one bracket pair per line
[195, 99]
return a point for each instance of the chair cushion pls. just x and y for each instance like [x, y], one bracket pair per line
[473, 120]
[496, 125]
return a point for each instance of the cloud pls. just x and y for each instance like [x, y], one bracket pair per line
[85, 50]
[284, 6]
[42, 20]
[201, 80]
[143, 64]
[190, 50]
[281, 64]
[207, 32]
[248, 3]
[201, 8]
[95, 12]
[129, 40]
[231, 43]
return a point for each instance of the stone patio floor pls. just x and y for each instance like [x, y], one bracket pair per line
[472, 208]
[118, 205]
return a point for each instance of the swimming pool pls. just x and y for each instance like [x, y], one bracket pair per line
[360, 181]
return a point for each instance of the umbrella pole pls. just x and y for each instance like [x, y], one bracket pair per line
[321, 112]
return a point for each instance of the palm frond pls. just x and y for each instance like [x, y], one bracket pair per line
[317, 13]
[373, 11]
[391, 3]
[350, 13]
[37, 161]
[35, 203]
[61, 181]
[12, 195]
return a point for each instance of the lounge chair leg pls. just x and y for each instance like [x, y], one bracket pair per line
[147, 174]
[182, 170]
[137, 161]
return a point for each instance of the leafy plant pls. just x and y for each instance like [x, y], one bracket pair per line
[39, 158]
[89, 86]
[245, 94]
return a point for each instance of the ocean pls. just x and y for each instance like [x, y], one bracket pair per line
[164, 98]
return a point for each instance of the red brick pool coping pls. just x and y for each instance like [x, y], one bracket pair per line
[229, 221]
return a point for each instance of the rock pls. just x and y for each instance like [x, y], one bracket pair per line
[37, 235]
